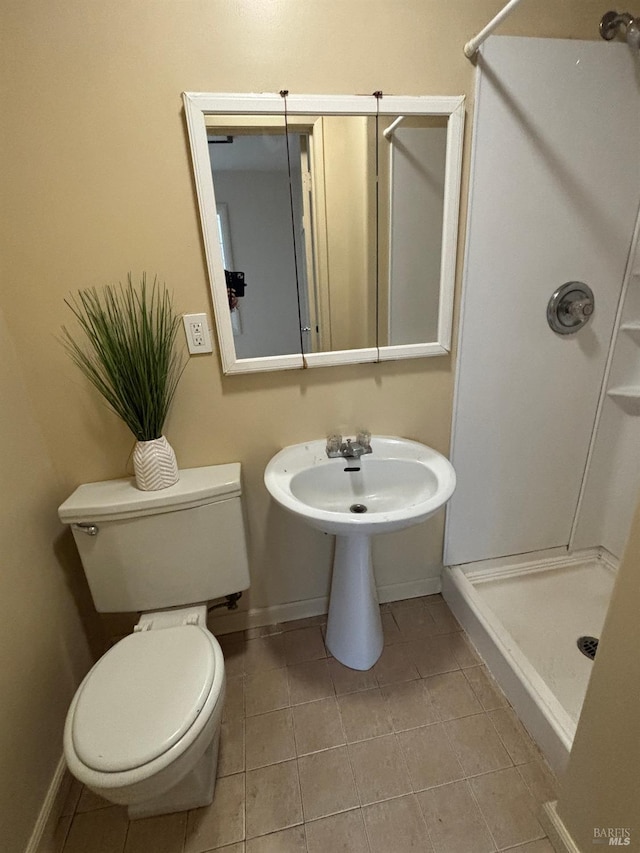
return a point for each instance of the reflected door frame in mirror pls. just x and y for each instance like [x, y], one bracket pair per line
[199, 106]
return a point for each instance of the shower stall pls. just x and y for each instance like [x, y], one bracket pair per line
[546, 427]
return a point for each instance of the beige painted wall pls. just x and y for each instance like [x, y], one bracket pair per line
[601, 787]
[96, 181]
[99, 183]
[43, 651]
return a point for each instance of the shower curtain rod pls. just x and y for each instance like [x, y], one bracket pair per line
[471, 47]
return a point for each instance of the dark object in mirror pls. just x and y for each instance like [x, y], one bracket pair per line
[235, 282]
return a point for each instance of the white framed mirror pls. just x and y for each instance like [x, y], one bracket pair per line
[329, 224]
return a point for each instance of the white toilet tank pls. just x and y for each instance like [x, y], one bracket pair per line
[153, 550]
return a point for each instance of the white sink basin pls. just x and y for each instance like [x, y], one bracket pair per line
[399, 484]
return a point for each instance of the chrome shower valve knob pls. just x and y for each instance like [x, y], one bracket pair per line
[570, 307]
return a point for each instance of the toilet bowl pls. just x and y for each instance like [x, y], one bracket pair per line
[144, 726]
[143, 729]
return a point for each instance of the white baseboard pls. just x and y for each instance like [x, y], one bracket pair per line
[227, 621]
[224, 622]
[410, 589]
[558, 833]
[41, 840]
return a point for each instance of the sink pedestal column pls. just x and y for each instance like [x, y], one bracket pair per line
[354, 628]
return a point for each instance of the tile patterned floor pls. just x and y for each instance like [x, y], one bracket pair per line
[421, 753]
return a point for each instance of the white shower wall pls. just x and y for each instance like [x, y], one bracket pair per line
[612, 480]
[554, 198]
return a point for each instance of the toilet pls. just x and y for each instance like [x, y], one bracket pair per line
[144, 726]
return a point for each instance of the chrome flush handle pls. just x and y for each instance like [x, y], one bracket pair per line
[89, 529]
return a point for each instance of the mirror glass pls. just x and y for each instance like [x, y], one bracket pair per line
[329, 225]
[337, 227]
[253, 191]
[412, 171]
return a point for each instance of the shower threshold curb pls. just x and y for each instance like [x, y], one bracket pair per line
[539, 711]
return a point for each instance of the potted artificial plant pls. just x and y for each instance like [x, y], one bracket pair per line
[127, 349]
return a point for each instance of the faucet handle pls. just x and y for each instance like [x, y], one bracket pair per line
[363, 438]
[334, 443]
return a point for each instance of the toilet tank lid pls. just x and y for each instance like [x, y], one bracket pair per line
[117, 499]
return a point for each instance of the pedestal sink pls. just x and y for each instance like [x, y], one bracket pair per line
[399, 484]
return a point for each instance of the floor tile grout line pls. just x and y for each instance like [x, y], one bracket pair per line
[538, 805]
[404, 761]
[353, 776]
[350, 762]
[302, 813]
[522, 843]
[502, 740]
[325, 748]
[495, 686]
[66, 834]
[480, 810]
[340, 811]
[366, 829]
[442, 719]
[281, 760]
[426, 823]
[452, 748]
[348, 810]
[534, 815]
[516, 846]
[300, 822]
[389, 799]
[411, 794]
[545, 766]
[126, 835]
[296, 748]
[320, 660]
[343, 728]
[244, 802]
[304, 829]
[186, 830]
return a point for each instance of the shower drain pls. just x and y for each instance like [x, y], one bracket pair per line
[588, 646]
[357, 508]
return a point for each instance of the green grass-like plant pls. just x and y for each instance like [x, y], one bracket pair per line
[128, 350]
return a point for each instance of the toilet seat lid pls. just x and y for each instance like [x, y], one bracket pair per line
[142, 697]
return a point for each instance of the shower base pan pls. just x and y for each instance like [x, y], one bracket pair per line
[525, 615]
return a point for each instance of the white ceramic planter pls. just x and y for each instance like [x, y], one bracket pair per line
[155, 465]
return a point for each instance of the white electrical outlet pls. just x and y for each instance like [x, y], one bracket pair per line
[196, 328]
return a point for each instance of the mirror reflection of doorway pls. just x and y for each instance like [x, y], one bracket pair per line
[313, 337]
[226, 251]
[304, 193]
[254, 203]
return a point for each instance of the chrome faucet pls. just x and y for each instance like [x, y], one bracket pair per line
[350, 448]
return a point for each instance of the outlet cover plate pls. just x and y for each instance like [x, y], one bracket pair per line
[196, 329]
